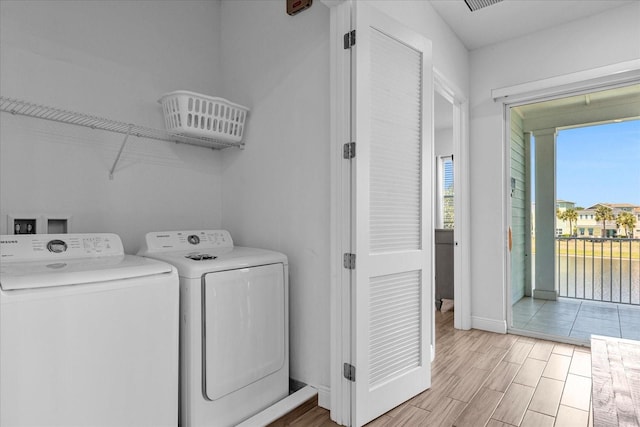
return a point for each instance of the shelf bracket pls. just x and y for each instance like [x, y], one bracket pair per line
[113, 168]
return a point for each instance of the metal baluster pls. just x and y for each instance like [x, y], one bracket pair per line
[602, 270]
[566, 250]
[584, 274]
[575, 267]
[558, 274]
[610, 270]
[620, 262]
[593, 272]
[630, 270]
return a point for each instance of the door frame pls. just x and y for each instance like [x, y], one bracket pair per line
[576, 83]
[340, 209]
[461, 200]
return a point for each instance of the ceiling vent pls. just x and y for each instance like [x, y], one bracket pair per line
[479, 4]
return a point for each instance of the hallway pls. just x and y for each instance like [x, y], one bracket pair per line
[482, 378]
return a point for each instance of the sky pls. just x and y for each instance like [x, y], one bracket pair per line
[599, 164]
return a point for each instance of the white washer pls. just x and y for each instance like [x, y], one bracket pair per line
[233, 325]
[88, 335]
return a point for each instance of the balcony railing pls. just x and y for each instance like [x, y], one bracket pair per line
[600, 269]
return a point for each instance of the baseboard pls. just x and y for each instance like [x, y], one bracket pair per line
[281, 409]
[546, 295]
[517, 296]
[324, 397]
[491, 325]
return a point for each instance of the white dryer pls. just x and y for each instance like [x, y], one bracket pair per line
[233, 325]
[88, 335]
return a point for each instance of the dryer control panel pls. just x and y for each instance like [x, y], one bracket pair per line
[165, 241]
[31, 247]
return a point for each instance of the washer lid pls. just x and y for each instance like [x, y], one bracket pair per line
[77, 271]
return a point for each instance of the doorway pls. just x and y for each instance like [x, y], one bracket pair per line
[451, 152]
[346, 216]
[445, 206]
[559, 251]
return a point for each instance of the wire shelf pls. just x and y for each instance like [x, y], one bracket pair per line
[25, 108]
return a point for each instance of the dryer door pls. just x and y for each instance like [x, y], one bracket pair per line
[243, 330]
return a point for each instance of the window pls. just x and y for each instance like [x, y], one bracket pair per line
[590, 232]
[582, 231]
[445, 192]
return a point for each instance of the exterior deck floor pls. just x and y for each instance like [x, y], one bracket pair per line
[577, 319]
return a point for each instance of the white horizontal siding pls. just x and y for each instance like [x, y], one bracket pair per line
[519, 210]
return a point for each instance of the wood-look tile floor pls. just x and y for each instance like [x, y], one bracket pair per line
[485, 379]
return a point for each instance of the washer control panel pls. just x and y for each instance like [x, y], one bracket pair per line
[27, 247]
[191, 240]
[196, 256]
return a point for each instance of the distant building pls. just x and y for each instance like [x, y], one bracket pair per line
[562, 227]
[563, 205]
[586, 224]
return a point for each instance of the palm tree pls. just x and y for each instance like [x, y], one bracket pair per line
[570, 215]
[626, 220]
[604, 214]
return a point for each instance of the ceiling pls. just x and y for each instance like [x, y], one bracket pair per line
[619, 95]
[515, 18]
[605, 106]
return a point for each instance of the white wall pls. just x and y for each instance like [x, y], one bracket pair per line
[443, 123]
[276, 191]
[596, 41]
[112, 59]
[450, 57]
[443, 142]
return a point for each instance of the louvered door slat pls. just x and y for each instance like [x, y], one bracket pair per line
[394, 306]
[395, 169]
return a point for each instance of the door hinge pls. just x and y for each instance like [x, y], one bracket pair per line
[349, 371]
[349, 150]
[349, 39]
[349, 261]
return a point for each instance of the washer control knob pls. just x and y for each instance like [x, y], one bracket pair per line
[56, 246]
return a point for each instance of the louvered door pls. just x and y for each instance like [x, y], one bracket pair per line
[393, 213]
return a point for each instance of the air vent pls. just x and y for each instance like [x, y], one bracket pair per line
[479, 4]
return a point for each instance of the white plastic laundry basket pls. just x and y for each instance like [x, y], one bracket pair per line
[196, 115]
